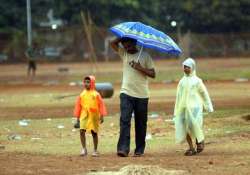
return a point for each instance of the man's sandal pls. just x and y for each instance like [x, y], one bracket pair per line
[190, 152]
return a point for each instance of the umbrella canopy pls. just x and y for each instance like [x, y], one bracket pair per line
[146, 36]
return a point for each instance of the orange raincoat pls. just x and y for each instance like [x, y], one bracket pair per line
[89, 108]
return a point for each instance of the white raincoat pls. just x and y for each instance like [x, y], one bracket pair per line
[191, 97]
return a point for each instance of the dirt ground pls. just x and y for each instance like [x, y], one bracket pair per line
[211, 161]
[214, 160]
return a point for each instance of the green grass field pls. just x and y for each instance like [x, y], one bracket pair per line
[226, 130]
[43, 136]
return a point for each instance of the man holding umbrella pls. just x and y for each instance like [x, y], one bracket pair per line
[137, 67]
[134, 94]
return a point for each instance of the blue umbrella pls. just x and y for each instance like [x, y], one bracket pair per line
[146, 36]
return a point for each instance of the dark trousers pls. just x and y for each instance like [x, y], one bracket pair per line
[139, 106]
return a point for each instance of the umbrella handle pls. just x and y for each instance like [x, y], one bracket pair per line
[138, 58]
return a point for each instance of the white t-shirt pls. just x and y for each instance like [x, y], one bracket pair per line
[135, 83]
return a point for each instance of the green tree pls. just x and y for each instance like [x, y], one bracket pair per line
[194, 15]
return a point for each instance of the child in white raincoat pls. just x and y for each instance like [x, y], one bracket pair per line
[191, 97]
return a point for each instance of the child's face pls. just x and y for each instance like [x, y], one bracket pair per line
[87, 84]
[187, 70]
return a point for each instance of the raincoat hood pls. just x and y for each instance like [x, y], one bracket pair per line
[190, 63]
[92, 81]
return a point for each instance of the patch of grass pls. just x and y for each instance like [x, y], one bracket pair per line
[167, 92]
[41, 99]
[44, 137]
[223, 113]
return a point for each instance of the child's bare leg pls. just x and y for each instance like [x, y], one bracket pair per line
[200, 146]
[191, 151]
[83, 138]
[95, 140]
[190, 142]
[83, 142]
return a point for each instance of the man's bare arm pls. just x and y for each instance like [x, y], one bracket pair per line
[115, 44]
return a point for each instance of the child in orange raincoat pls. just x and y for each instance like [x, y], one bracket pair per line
[89, 110]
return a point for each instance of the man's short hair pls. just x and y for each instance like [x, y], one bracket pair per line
[127, 39]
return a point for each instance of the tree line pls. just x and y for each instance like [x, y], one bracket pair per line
[201, 16]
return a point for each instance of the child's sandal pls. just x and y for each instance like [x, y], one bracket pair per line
[200, 146]
[83, 152]
[95, 154]
[190, 152]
